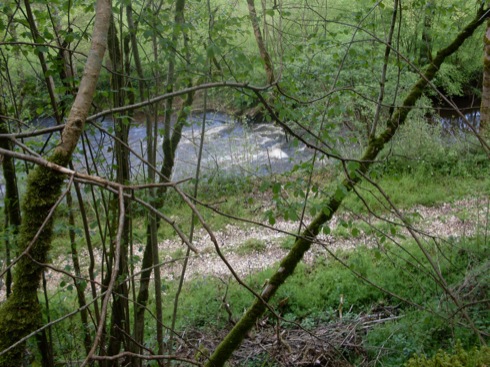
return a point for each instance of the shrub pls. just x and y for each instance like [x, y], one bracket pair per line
[476, 357]
[420, 147]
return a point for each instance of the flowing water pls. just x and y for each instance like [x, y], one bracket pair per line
[230, 148]
[453, 122]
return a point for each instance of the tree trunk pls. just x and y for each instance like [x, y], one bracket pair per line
[168, 143]
[120, 306]
[264, 54]
[36, 37]
[425, 51]
[485, 95]
[12, 204]
[331, 205]
[143, 292]
[21, 313]
[87, 340]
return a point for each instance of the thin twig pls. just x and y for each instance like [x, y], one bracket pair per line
[115, 271]
[40, 230]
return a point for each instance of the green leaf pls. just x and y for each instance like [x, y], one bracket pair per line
[272, 219]
[212, 50]
[341, 192]
[355, 232]
[42, 49]
[276, 188]
[352, 168]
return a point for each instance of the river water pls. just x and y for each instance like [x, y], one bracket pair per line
[231, 148]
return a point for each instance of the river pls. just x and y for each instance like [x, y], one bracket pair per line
[231, 148]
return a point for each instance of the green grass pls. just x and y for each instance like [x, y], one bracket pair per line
[406, 191]
[250, 246]
[314, 296]
[316, 290]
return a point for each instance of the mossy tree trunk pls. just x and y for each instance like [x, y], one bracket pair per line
[332, 203]
[21, 313]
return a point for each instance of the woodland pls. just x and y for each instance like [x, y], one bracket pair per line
[244, 183]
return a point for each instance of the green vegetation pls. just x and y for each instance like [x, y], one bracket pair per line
[399, 271]
[473, 358]
[315, 291]
[250, 246]
[376, 269]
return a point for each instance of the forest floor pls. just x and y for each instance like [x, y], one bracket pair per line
[250, 248]
[323, 344]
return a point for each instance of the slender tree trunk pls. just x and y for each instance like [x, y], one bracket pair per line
[302, 244]
[120, 306]
[258, 113]
[425, 51]
[36, 37]
[485, 95]
[66, 78]
[12, 204]
[21, 313]
[143, 292]
[87, 340]
[264, 54]
[168, 143]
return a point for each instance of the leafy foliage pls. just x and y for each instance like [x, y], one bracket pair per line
[472, 358]
[329, 57]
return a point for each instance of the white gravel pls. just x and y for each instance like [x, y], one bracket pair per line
[461, 218]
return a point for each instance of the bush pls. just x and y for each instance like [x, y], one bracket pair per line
[420, 147]
[476, 357]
